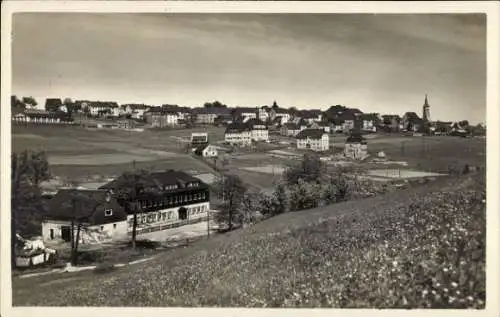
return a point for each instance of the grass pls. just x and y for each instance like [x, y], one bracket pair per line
[420, 247]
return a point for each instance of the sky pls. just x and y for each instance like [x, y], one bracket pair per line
[377, 63]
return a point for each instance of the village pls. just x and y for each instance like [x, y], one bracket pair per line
[176, 202]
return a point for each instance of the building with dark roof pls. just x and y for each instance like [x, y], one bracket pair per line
[33, 116]
[159, 117]
[356, 147]
[98, 213]
[370, 122]
[313, 139]
[239, 134]
[206, 150]
[290, 129]
[168, 197]
[411, 122]
[258, 130]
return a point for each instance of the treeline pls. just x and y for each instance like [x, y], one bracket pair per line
[306, 185]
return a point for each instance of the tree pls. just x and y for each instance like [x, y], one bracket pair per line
[303, 195]
[310, 169]
[52, 104]
[29, 169]
[250, 207]
[30, 101]
[134, 185]
[215, 104]
[16, 103]
[232, 189]
[275, 105]
[281, 199]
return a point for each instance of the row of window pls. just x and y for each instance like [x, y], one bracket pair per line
[167, 201]
[166, 215]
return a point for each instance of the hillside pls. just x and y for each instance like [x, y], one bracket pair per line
[421, 247]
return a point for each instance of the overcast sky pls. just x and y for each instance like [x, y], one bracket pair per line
[378, 63]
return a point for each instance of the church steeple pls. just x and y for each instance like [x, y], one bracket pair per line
[426, 115]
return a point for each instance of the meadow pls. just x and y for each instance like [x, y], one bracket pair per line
[416, 248]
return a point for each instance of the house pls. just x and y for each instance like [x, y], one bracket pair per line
[206, 150]
[370, 122]
[337, 125]
[42, 117]
[263, 114]
[209, 115]
[310, 116]
[290, 129]
[259, 130]
[410, 122]
[101, 108]
[101, 216]
[169, 197]
[284, 114]
[238, 134]
[320, 125]
[198, 138]
[356, 147]
[313, 139]
[52, 104]
[126, 124]
[223, 119]
[350, 118]
[442, 128]
[62, 108]
[390, 123]
[136, 111]
[183, 113]
[158, 117]
[244, 114]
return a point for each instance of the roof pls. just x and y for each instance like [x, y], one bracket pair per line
[311, 133]
[308, 114]
[103, 104]
[369, 116]
[169, 177]
[281, 110]
[254, 122]
[135, 106]
[213, 111]
[61, 206]
[161, 111]
[237, 127]
[200, 148]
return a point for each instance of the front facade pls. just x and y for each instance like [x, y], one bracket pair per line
[410, 122]
[100, 215]
[206, 151]
[356, 147]
[259, 130]
[101, 108]
[391, 122]
[313, 139]
[42, 117]
[370, 122]
[238, 134]
[290, 129]
[263, 114]
[199, 138]
[158, 118]
[174, 197]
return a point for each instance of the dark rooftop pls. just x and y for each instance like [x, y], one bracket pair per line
[311, 133]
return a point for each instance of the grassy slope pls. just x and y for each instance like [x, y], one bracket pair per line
[377, 252]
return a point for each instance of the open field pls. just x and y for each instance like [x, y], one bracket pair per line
[419, 247]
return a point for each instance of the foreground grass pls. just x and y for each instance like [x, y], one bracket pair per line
[424, 247]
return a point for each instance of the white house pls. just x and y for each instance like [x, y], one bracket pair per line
[100, 215]
[238, 134]
[281, 113]
[136, 111]
[259, 130]
[263, 114]
[290, 129]
[160, 118]
[206, 150]
[355, 147]
[313, 139]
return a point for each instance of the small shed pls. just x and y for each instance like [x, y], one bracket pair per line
[206, 150]
[356, 147]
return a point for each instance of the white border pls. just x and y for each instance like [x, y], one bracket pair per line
[491, 8]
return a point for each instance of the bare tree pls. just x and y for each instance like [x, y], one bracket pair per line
[232, 189]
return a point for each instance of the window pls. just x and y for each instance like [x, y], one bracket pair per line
[51, 234]
[102, 228]
[114, 226]
[108, 212]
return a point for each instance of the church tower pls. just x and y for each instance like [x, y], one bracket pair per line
[426, 110]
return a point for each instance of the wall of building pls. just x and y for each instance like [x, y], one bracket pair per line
[355, 150]
[319, 145]
[243, 138]
[88, 234]
[169, 215]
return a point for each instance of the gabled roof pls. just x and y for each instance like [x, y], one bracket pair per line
[310, 113]
[311, 133]
[281, 110]
[369, 117]
[103, 104]
[61, 205]
[161, 111]
[411, 115]
[163, 178]
[215, 111]
[254, 122]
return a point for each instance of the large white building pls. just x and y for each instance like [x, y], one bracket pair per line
[313, 139]
[238, 134]
[259, 130]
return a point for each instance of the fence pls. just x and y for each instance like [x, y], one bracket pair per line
[166, 226]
